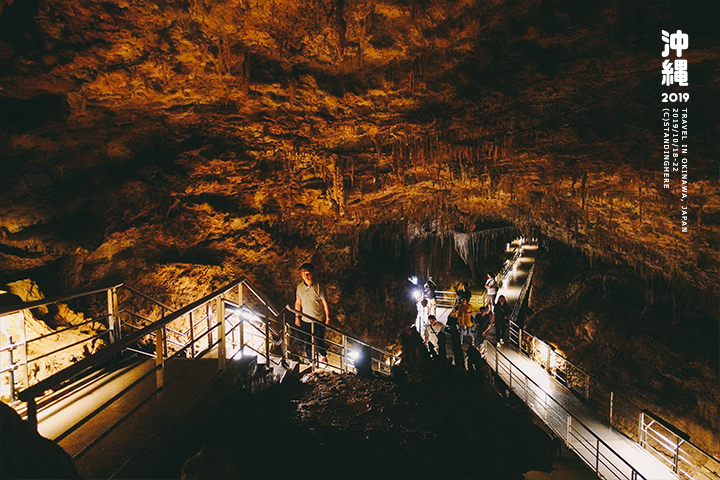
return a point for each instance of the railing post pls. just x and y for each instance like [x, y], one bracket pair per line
[612, 398]
[676, 456]
[267, 335]
[533, 348]
[641, 439]
[597, 455]
[241, 325]
[165, 345]
[192, 335]
[11, 372]
[113, 318]
[497, 354]
[220, 312]
[568, 429]
[343, 358]
[312, 343]
[26, 378]
[159, 358]
[549, 360]
[165, 342]
[208, 308]
[520, 330]
[32, 414]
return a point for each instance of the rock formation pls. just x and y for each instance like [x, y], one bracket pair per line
[175, 144]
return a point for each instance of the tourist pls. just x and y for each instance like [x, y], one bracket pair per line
[483, 323]
[491, 287]
[465, 311]
[502, 314]
[463, 291]
[429, 294]
[432, 331]
[458, 355]
[310, 299]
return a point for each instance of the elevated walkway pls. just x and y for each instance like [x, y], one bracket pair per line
[594, 423]
[108, 408]
[111, 407]
[608, 452]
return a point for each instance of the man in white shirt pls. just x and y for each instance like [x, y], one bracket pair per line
[432, 331]
[310, 299]
[491, 287]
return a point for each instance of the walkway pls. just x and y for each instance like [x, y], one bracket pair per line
[224, 321]
[608, 452]
[98, 443]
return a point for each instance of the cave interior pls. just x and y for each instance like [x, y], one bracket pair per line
[178, 144]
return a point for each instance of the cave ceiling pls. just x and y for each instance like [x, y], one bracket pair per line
[132, 129]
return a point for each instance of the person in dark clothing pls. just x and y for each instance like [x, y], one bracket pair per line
[409, 353]
[458, 355]
[474, 360]
[502, 314]
[413, 348]
[463, 291]
[432, 330]
[482, 322]
[422, 352]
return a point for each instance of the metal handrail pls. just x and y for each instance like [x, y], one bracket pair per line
[617, 412]
[338, 331]
[97, 358]
[65, 347]
[521, 298]
[110, 320]
[262, 298]
[49, 301]
[635, 473]
[446, 298]
[221, 332]
[146, 297]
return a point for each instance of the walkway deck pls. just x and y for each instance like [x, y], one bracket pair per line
[99, 446]
[608, 452]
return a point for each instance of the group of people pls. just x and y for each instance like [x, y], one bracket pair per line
[313, 314]
[464, 322]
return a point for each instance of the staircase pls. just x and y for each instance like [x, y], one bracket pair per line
[108, 408]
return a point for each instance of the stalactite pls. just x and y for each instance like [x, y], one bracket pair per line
[338, 187]
[474, 247]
